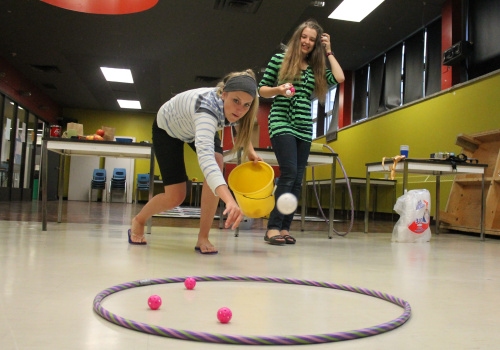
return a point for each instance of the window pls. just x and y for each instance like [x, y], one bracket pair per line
[314, 116]
[329, 105]
[405, 73]
[8, 121]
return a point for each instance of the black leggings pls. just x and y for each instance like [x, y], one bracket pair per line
[169, 154]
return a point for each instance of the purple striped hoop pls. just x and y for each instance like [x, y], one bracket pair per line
[252, 340]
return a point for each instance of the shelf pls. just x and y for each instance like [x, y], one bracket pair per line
[473, 182]
[463, 210]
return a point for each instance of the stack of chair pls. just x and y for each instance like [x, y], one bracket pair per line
[142, 184]
[118, 183]
[98, 182]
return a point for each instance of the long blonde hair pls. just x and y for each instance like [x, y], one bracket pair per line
[291, 67]
[246, 123]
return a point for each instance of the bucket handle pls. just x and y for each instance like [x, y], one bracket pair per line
[272, 194]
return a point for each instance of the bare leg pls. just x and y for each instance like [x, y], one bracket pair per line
[209, 204]
[174, 195]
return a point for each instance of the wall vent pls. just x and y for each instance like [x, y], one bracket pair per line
[206, 79]
[245, 6]
[49, 86]
[46, 68]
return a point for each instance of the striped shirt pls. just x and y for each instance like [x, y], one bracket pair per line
[292, 115]
[196, 115]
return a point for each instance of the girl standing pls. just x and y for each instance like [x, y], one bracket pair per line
[303, 68]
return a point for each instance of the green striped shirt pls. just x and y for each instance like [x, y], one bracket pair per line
[292, 115]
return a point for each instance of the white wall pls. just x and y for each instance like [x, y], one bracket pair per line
[80, 174]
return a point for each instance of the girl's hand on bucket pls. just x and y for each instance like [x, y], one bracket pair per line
[234, 215]
[254, 157]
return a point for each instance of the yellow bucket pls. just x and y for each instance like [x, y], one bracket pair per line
[252, 185]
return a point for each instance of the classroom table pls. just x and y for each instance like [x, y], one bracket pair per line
[77, 147]
[432, 167]
[315, 159]
[359, 183]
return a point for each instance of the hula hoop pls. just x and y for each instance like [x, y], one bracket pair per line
[252, 340]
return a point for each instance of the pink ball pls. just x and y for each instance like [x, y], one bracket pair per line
[190, 282]
[292, 89]
[224, 315]
[154, 302]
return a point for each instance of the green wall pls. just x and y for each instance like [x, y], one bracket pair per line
[428, 126]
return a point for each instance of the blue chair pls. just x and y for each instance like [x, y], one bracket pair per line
[98, 182]
[118, 183]
[142, 184]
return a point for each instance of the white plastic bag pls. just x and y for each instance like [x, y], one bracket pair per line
[414, 208]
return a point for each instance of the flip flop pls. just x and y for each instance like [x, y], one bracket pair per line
[135, 243]
[274, 240]
[289, 239]
[198, 249]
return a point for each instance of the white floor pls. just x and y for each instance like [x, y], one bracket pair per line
[48, 281]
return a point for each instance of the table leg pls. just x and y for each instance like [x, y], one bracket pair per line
[483, 200]
[199, 188]
[343, 201]
[237, 230]
[367, 199]
[438, 195]
[60, 187]
[221, 215]
[331, 210]
[303, 206]
[405, 176]
[357, 203]
[151, 184]
[45, 159]
[221, 203]
[394, 199]
[319, 199]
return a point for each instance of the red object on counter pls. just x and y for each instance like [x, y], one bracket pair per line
[55, 131]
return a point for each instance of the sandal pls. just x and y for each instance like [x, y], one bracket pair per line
[198, 249]
[274, 240]
[132, 242]
[289, 239]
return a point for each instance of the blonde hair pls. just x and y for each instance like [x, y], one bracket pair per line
[291, 67]
[247, 122]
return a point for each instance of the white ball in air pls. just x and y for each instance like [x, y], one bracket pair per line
[287, 203]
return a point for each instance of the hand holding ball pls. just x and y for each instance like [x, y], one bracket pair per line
[287, 203]
[290, 91]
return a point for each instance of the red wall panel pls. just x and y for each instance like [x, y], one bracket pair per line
[15, 86]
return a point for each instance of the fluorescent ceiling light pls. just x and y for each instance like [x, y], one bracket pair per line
[118, 75]
[354, 10]
[129, 104]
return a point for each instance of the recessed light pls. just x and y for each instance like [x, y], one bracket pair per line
[118, 75]
[354, 10]
[131, 104]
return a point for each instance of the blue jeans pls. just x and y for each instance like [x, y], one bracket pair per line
[292, 155]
